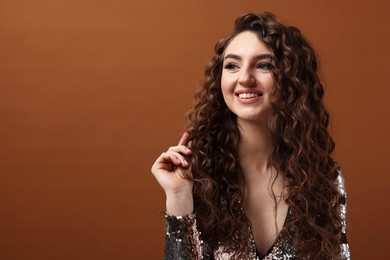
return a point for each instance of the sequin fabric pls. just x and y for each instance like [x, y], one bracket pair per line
[345, 253]
[183, 240]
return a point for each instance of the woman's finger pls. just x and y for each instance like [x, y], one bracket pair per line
[180, 149]
[180, 157]
[184, 139]
[168, 158]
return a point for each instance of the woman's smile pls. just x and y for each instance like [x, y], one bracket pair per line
[248, 96]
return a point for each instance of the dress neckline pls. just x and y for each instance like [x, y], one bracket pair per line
[278, 238]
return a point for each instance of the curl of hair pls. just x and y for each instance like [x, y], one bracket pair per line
[301, 152]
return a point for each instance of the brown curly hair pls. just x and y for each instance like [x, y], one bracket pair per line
[301, 152]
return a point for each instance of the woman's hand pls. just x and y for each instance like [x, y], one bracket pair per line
[169, 169]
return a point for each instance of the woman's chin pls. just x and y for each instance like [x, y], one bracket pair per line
[254, 117]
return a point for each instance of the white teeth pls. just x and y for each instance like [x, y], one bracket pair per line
[247, 95]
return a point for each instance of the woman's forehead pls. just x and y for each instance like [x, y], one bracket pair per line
[246, 43]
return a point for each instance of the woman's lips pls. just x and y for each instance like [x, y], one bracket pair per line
[247, 96]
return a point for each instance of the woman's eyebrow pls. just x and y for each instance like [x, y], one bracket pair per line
[257, 57]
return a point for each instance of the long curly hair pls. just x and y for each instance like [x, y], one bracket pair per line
[301, 152]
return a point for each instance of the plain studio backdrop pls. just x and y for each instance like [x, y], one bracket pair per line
[91, 92]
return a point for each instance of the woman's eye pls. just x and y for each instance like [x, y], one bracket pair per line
[231, 66]
[264, 66]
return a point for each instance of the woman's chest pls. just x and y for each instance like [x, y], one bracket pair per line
[266, 210]
[266, 224]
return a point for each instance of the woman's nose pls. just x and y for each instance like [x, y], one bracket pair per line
[246, 78]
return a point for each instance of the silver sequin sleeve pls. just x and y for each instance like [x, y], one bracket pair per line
[182, 238]
[345, 253]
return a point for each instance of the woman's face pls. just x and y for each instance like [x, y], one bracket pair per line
[247, 81]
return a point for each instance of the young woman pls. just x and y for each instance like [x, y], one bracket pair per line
[253, 177]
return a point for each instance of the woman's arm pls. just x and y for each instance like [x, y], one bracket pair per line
[182, 237]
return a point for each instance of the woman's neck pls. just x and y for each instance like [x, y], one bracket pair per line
[254, 148]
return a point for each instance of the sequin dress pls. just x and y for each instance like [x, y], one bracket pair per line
[183, 240]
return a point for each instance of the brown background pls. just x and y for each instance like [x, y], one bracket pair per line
[92, 91]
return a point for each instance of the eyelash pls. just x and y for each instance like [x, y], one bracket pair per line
[262, 66]
[267, 66]
[230, 66]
